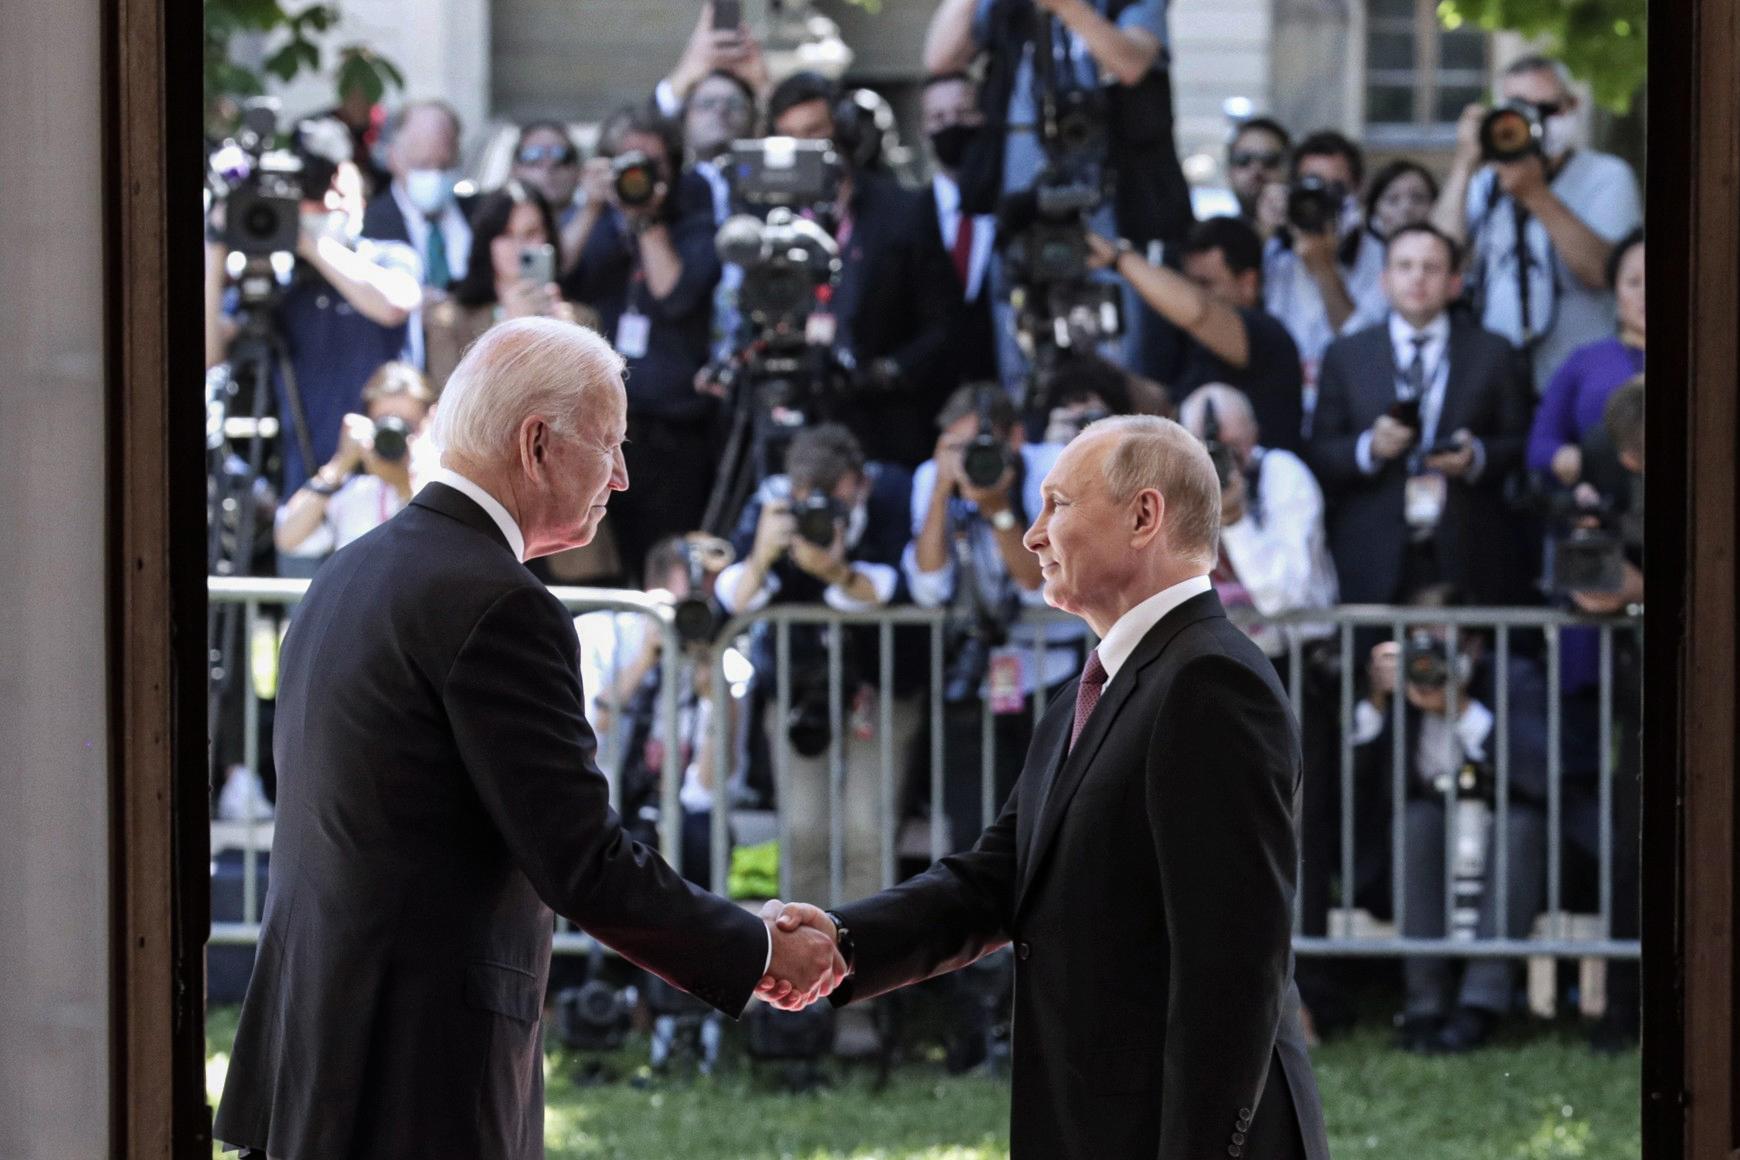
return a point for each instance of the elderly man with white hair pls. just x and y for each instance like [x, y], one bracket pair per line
[1274, 553]
[1143, 867]
[438, 799]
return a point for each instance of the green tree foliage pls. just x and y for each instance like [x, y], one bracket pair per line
[1602, 42]
[294, 50]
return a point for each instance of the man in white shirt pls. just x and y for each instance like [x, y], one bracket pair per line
[420, 209]
[1274, 556]
[1549, 295]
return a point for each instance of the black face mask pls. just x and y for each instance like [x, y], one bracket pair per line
[950, 143]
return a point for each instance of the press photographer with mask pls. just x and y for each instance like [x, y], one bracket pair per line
[829, 532]
[339, 316]
[952, 121]
[648, 267]
[1522, 174]
[972, 501]
[1322, 271]
[373, 473]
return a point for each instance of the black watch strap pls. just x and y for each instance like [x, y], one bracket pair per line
[843, 941]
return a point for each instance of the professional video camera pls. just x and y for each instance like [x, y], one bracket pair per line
[1314, 205]
[1586, 537]
[1059, 306]
[781, 362]
[1511, 131]
[262, 188]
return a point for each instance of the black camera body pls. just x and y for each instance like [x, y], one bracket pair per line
[1585, 542]
[635, 178]
[1511, 131]
[819, 518]
[595, 1016]
[262, 188]
[1221, 455]
[785, 260]
[1425, 661]
[784, 172]
[392, 438]
[1314, 205]
[986, 458]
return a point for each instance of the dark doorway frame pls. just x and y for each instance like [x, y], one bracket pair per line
[160, 841]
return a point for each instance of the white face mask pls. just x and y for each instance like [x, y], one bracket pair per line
[856, 523]
[430, 189]
[1558, 134]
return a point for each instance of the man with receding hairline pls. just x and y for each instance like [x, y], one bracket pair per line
[438, 798]
[1143, 867]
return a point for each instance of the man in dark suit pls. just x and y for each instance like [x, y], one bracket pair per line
[1418, 422]
[896, 300]
[952, 121]
[438, 798]
[1143, 866]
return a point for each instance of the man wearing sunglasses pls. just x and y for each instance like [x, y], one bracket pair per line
[547, 160]
[1548, 294]
[1256, 159]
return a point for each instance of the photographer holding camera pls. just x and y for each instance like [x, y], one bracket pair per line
[971, 504]
[1086, 41]
[830, 531]
[1256, 164]
[341, 314]
[1323, 270]
[1419, 421]
[1461, 753]
[371, 475]
[1217, 302]
[648, 268]
[1538, 214]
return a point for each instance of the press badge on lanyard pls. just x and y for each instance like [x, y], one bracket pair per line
[633, 329]
[1423, 505]
[1003, 684]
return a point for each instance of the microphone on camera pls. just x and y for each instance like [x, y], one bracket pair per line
[740, 240]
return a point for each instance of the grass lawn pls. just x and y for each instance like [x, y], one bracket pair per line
[1538, 1094]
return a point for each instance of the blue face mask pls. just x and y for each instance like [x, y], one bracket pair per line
[430, 190]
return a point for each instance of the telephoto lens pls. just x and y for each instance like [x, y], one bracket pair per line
[985, 460]
[1426, 661]
[636, 178]
[1510, 132]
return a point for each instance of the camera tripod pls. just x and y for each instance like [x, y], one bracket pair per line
[237, 487]
[761, 381]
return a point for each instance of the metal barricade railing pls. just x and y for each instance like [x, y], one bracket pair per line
[1332, 630]
[256, 594]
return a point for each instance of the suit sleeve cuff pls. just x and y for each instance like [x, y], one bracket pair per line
[1478, 467]
[768, 965]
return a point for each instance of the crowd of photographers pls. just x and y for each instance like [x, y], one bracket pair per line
[845, 387]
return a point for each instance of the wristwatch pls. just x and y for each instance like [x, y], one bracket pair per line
[843, 940]
[1004, 521]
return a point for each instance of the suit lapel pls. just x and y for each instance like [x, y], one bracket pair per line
[1105, 717]
[1453, 415]
[1044, 755]
[455, 504]
[1383, 357]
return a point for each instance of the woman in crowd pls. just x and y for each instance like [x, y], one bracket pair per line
[1579, 389]
[1402, 193]
[372, 474]
[505, 277]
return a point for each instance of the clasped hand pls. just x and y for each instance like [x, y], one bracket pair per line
[806, 964]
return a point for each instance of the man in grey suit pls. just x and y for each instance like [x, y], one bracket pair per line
[1144, 865]
[438, 799]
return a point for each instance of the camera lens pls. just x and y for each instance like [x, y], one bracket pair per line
[392, 439]
[636, 178]
[694, 620]
[1313, 205]
[984, 461]
[1508, 133]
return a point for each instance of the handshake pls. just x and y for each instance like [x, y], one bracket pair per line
[806, 963]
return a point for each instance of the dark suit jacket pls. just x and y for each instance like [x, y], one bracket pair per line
[973, 349]
[437, 799]
[1150, 901]
[385, 222]
[896, 298]
[1478, 539]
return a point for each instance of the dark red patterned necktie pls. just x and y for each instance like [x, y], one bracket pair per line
[1087, 694]
[963, 251]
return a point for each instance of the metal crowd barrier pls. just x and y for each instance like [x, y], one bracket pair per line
[1055, 629]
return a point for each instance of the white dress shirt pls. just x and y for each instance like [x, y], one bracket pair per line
[511, 530]
[1123, 637]
[1280, 551]
[948, 216]
[1435, 357]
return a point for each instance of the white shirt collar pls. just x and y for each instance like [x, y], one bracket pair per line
[1402, 332]
[492, 506]
[1123, 637]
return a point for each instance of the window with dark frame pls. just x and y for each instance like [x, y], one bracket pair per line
[1419, 73]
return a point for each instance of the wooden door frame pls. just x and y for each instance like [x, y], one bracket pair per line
[159, 833]
[1689, 873]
